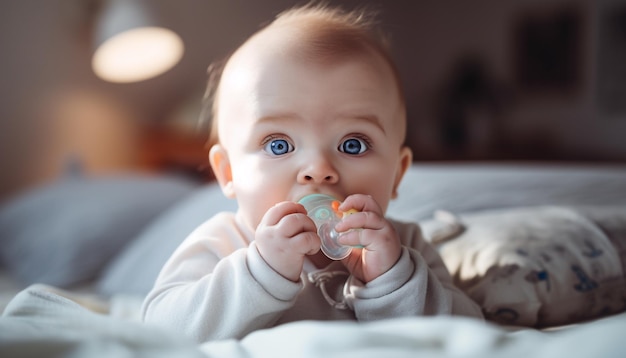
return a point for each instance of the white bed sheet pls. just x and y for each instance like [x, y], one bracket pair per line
[39, 322]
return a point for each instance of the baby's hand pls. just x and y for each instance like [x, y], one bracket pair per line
[284, 236]
[369, 229]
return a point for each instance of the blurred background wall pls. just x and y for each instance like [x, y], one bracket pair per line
[485, 80]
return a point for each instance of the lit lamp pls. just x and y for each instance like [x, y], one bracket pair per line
[130, 45]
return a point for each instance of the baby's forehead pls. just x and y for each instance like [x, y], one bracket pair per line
[309, 47]
[276, 49]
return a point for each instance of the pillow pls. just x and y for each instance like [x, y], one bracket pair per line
[537, 266]
[64, 233]
[135, 270]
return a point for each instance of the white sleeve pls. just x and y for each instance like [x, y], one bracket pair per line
[418, 284]
[207, 292]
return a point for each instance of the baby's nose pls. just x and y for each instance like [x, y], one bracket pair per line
[319, 171]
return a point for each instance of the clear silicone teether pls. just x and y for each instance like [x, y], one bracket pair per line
[320, 208]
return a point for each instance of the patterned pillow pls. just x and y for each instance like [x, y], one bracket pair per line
[537, 266]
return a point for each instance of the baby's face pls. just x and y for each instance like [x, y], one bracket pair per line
[289, 128]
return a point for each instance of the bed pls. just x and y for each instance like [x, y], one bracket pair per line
[541, 247]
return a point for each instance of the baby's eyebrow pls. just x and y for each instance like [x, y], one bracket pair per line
[373, 119]
[283, 117]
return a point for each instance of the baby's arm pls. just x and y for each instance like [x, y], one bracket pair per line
[418, 284]
[214, 287]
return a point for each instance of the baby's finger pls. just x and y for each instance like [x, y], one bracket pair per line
[361, 202]
[361, 220]
[306, 243]
[294, 224]
[280, 210]
[351, 238]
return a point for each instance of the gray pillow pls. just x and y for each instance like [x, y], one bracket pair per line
[64, 233]
[135, 270]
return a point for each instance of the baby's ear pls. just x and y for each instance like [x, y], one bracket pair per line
[218, 157]
[405, 160]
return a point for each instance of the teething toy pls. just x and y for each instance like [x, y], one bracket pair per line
[324, 210]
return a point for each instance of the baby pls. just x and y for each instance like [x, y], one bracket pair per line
[309, 104]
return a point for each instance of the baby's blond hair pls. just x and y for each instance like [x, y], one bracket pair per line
[325, 34]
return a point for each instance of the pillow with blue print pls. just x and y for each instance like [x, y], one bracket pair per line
[537, 266]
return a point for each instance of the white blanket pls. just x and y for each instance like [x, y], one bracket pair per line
[39, 322]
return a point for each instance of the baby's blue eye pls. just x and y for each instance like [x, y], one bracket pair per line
[353, 146]
[278, 147]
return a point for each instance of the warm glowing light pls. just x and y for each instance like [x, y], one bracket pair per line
[137, 54]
